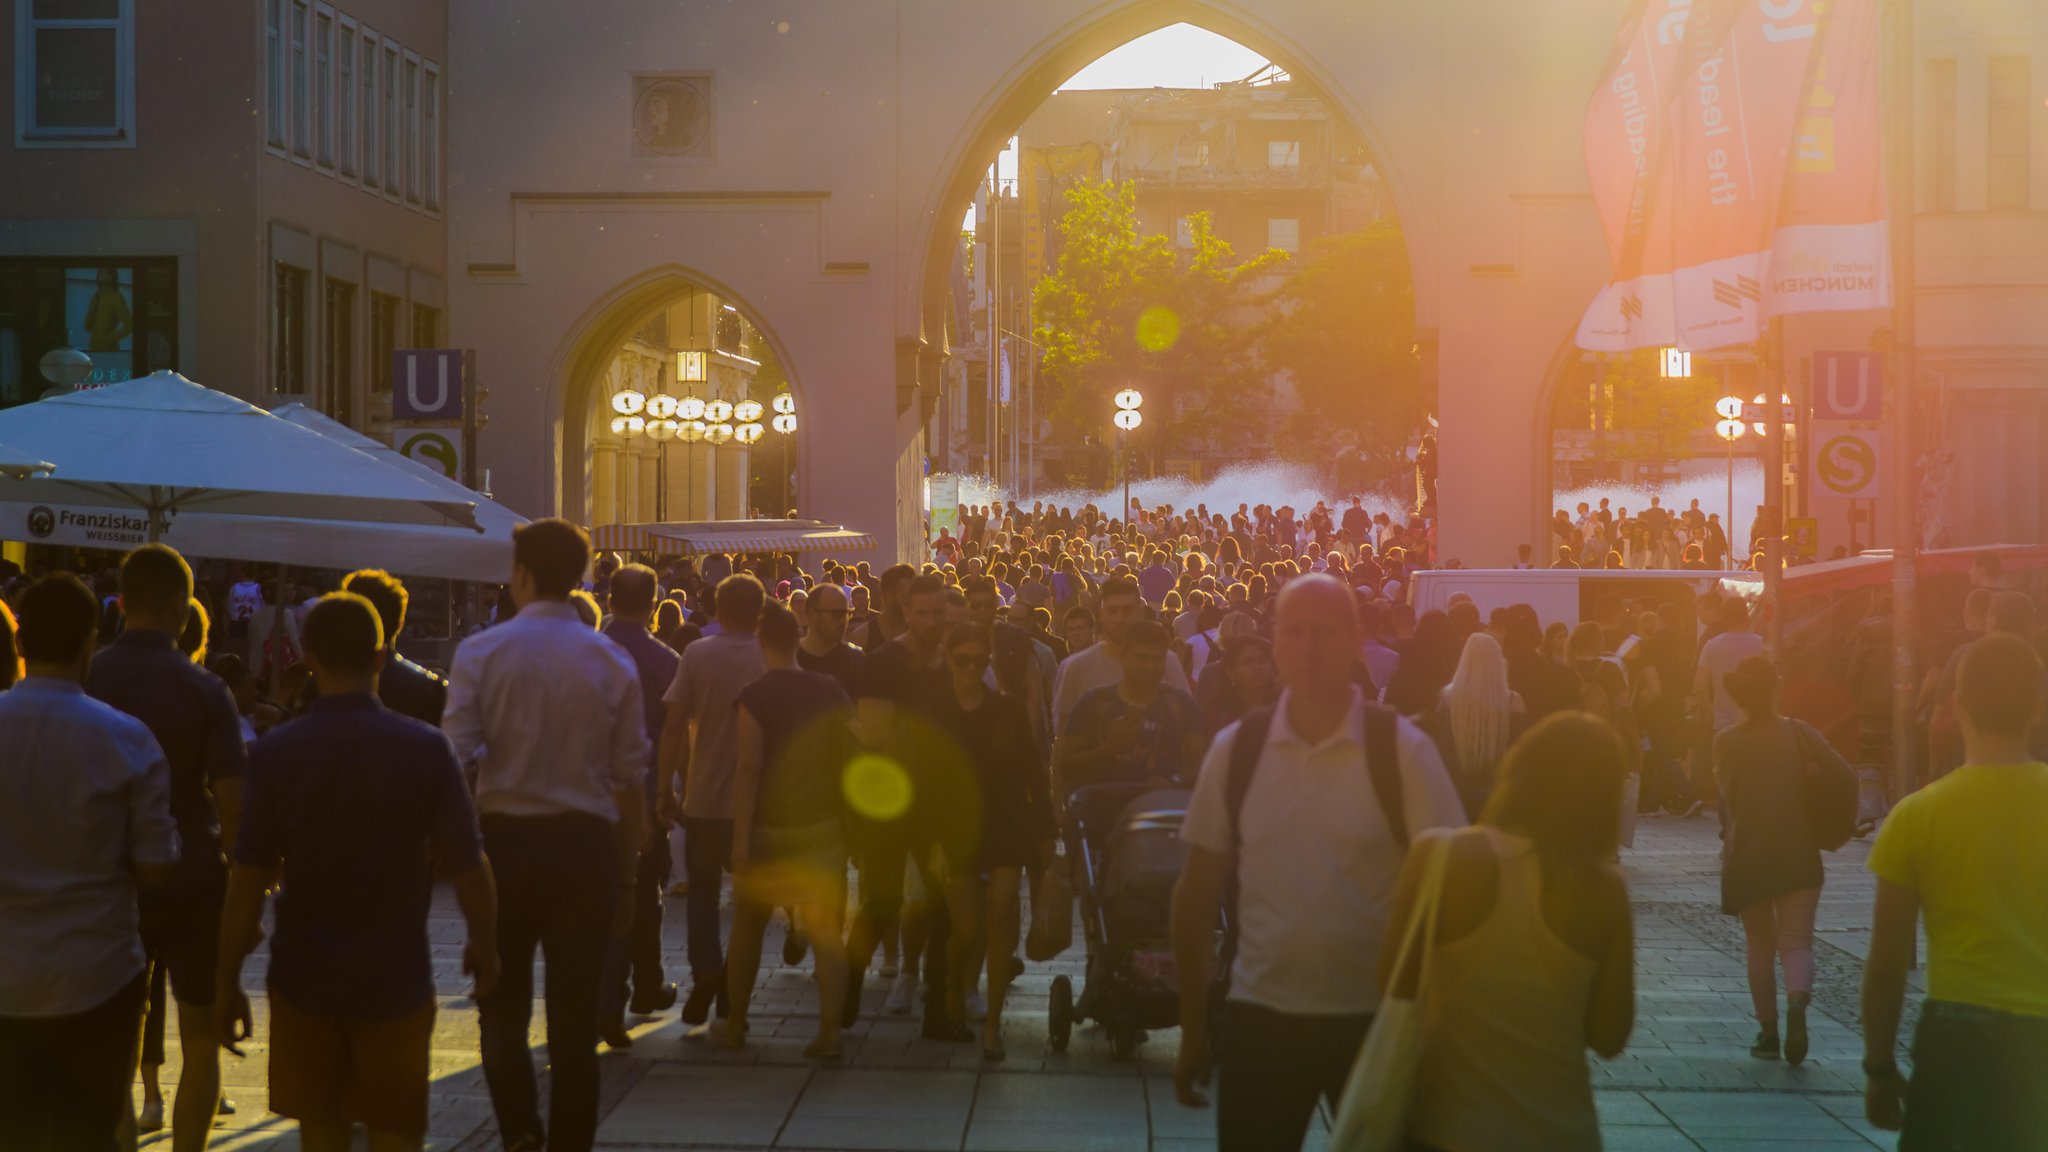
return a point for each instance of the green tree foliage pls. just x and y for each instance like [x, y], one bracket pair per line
[1634, 413]
[1125, 309]
[1341, 325]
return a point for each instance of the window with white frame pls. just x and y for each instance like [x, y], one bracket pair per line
[302, 83]
[412, 128]
[1283, 154]
[323, 88]
[1284, 233]
[273, 73]
[394, 173]
[1184, 232]
[430, 136]
[74, 63]
[367, 124]
[345, 98]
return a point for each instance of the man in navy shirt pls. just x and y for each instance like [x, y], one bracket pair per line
[359, 805]
[634, 589]
[194, 719]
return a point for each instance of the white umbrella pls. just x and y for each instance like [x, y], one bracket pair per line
[132, 457]
[18, 464]
[441, 551]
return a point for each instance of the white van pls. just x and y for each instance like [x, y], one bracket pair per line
[1568, 595]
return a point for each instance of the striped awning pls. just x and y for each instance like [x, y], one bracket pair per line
[732, 537]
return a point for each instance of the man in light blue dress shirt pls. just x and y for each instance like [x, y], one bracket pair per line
[87, 818]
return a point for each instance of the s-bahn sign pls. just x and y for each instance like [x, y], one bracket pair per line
[1847, 464]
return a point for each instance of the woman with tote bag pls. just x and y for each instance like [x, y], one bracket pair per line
[1532, 963]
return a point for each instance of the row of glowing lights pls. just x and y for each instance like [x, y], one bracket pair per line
[1676, 364]
[690, 419]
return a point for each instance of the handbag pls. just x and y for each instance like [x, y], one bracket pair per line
[1052, 915]
[1833, 792]
[1373, 1115]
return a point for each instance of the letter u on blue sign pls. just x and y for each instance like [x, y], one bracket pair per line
[426, 384]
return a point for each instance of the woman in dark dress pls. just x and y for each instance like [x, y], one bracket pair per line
[1771, 871]
[998, 820]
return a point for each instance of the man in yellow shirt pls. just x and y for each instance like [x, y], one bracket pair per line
[1968, 852]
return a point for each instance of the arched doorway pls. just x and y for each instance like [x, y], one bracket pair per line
[1267, 169]
[671, 393]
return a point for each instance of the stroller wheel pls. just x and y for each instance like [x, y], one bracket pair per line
[1060, 1015]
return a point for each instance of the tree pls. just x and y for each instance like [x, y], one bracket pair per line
[1634, 413]
[1341, 325]
[1124, 309]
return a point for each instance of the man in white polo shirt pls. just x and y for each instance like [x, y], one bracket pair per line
[1301, 813]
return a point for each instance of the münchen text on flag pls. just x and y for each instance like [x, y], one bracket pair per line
[1722, 128]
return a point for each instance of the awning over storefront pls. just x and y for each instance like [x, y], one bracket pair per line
[733, 537]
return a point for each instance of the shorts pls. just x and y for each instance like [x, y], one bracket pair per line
[333, 1069]
[181, 932]
[790, 866]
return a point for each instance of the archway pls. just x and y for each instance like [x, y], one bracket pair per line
[627, 452]
[1333, 129]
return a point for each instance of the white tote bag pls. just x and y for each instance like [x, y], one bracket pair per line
[1373, 1116]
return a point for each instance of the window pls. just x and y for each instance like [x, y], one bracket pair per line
[1184, 232]
[288, 330]
[1941, 93]
[412, 128]
[1283, 154]
[74, 73]
[2008, 128]
[426, 326]
[273, 72]
[338, 366]
[323, 88]
[383, 339]
[1284, 234]
[394, 176]
[430, 138]
[345, 100]
[120, 311]
[302, 83]
[372, 155]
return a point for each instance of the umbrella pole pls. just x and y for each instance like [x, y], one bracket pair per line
[277, 633]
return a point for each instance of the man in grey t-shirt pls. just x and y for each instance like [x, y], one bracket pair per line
[700, 745]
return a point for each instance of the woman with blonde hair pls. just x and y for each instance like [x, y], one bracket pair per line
[1477, 717]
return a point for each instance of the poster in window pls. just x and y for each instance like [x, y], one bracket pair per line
[99, 319]
[77, 73]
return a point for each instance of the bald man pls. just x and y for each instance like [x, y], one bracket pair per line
[1328, 789]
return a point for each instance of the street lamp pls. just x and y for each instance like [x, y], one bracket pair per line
[1730, 429]
[1127, 419]
[785, 426]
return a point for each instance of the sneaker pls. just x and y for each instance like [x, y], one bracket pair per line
[654, 1001]
[152, 1117]
[1795, 1029]
[902, 994]
[1766, 1046]
[227, 1107]
[1694, 808]
[977, 1006]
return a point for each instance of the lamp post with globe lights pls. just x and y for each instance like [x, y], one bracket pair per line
[1127, 419]
[1730, 429]
[785, 426]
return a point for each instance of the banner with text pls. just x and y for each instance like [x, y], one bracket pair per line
[1721, 130]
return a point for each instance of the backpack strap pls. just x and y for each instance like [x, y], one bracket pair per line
[1245, 749]
[1383, 765]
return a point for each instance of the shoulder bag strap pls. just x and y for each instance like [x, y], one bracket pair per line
[1383, 765]
[1422, 918]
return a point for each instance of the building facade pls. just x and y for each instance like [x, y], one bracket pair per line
[251, 194]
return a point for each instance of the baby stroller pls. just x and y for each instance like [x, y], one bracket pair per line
[1124, 842]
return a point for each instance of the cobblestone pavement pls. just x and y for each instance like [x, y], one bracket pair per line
[1685, 1082]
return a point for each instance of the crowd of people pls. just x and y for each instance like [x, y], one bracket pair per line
[613, 735]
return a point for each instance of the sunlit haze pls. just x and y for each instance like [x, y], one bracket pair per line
[1180, 56]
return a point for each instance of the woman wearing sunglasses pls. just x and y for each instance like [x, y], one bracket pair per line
[999, 821]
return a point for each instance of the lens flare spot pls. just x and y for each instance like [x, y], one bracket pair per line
[876, 787]
[1158, 328]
